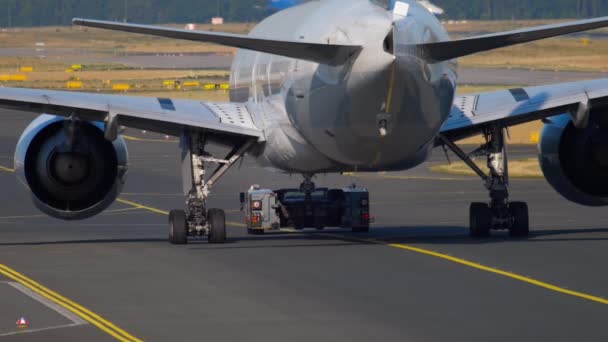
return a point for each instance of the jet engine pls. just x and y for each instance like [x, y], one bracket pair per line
[72, 171]
[575, 161]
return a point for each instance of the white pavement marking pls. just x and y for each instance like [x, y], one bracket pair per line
[76, 321]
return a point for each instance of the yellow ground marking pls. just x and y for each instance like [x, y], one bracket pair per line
[511, 275]
[141, 206]
[76, 308]
[131, 138]
[6, 169]
[113, 211]
[164, 212]
[480, 267]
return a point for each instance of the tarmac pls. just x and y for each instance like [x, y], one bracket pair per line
[470, 76]
[416, 276]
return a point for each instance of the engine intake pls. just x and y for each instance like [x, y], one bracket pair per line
[575, 161]
[72, 171]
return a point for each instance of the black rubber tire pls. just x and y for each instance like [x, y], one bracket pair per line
[178, 227]
[216, 218]
[480, 217]
[255, 232]
[360, 229]
[521, 224]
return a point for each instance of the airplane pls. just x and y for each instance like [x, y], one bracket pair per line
[283, 4]
[327, 86]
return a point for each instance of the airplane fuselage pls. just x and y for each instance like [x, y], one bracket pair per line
[380, 112]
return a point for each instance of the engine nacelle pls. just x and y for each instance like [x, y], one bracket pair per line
[575, 161]
[70, 178]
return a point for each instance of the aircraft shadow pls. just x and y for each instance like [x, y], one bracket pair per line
[447, 235]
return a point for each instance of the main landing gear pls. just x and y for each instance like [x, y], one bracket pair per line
[499, 213]
[196, 219]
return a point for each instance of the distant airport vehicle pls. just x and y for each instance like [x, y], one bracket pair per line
[325, 86]
[300, 208]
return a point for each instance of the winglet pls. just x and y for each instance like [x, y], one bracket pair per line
[443, 51]
[315, 52]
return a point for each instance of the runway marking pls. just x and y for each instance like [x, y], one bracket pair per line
[164, 212]
[76, 320]
[75, 308]
[113, 211]
[6, 169]
[511, 275]
[39, 330]
[480, 267]
[141, 206]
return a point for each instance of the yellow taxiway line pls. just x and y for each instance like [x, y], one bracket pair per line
[511, 275]
[89, 316]
[446, 257]
[163, 212]
[6, 169]
[141, 206]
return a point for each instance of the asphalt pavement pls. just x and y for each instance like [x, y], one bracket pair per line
[416, 276]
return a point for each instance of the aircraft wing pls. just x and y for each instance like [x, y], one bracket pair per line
[319, 52]
[472, 113]
[220, 121]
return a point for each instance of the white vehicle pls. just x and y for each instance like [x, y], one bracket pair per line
[325, 86]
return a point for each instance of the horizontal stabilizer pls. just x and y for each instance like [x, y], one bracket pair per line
[443, 51]
[315, 52]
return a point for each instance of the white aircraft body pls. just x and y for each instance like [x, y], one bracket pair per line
[325, 86]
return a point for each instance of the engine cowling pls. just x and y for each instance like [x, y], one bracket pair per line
[70, 178]
[575, 161]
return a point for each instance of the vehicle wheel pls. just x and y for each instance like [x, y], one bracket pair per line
[480, 220]
[360, 229]
[217, 226]
[255, 232]
[178, 227]
[521, 224]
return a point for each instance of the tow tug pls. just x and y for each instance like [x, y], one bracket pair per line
[271, 210]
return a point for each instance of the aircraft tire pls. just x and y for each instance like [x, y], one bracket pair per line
[480, 220]
[178, 227]
[216, 219]
[521, 224]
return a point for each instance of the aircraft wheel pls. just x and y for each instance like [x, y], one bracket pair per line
[480, 220]
[216, 219]
[178, 227]
[521, 224]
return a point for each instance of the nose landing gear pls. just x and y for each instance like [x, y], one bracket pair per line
[499, 213]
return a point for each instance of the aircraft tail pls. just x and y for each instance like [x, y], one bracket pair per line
[443, 51]
[316, 52]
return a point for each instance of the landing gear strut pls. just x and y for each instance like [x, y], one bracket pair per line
[499, 213]
[196, 219]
